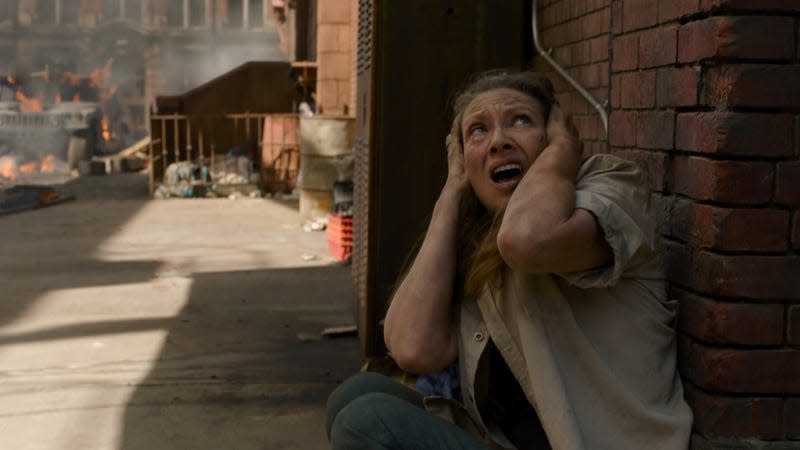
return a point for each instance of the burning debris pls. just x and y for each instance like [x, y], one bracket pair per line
[52, 120]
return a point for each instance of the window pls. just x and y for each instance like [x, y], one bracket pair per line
[197, 13]
[133, 10]
[174, 10]
[36, 12]
[69, 11]
[255, 14]
[110, 8]
[232, 13]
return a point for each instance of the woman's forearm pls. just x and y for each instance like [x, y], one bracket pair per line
[418, 329]
[537, 223]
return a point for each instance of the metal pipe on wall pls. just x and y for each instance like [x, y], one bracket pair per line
[560, 70]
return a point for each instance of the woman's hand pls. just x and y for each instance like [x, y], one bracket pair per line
[563, 135]
[456, 173]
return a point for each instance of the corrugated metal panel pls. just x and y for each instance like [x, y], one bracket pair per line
[361, 177]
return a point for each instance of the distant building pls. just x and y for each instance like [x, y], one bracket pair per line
[152, 47]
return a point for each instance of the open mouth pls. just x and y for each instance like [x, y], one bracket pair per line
[507, 173]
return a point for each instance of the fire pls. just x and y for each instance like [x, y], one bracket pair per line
[8, 168]
[106, 131]
[29, 104]
[48, 164]
[31, 167]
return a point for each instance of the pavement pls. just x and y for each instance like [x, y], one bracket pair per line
[130, 323]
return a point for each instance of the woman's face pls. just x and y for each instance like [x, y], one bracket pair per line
[504, 131]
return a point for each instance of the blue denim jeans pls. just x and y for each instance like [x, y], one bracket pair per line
[372, 411]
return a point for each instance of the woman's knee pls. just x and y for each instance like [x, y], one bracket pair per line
[365, 423]
[362, 384]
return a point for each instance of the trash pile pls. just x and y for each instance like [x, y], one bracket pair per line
[232, 177]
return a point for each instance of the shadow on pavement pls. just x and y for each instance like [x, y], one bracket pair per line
[233, 372]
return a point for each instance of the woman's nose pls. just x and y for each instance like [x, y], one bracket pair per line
[500, 141]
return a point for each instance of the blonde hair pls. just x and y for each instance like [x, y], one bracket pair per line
[479, 260]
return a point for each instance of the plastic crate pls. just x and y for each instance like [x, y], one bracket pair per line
[340, 236]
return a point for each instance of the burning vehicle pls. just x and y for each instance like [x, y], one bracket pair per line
[48, 124]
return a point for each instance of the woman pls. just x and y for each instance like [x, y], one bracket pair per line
[541, 276]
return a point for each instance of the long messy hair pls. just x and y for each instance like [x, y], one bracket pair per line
[479, 260]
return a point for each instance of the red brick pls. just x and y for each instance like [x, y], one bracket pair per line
[626, 52]
[796, 231]
[622, 128]
[745, 37]
[754, 85]
[741, 371]
[658, 46]
[793, 326]
[581, 52]
[745, 417]
[637, 14]
[737, 37]
[588, 126]
[729, 229]
[726, 133]
[592, 75]
[737, 182]
[616, 17]
[655, 129]
[797, 135]
[595, 23]
[696, 40]
[787, 191]
[563, 55]
[638, 90]
[652, 164]
[677, 87]
[616, 92]
[599, 48]
[761, 5]
[791, 418]
[758, 278]
[669, 10]
[333, 11]
[717, 322]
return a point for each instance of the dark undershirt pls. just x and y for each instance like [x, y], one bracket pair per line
[509, 409]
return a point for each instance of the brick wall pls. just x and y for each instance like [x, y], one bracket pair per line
[705, 96]
[335, 34]
[578, 34]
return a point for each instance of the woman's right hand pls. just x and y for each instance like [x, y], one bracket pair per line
[456, 173]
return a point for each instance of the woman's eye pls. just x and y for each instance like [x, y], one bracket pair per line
[522, 120]
[477, 129]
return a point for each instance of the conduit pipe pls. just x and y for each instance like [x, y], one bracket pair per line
[581, 90]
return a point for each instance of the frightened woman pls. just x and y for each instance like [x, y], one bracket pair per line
[540, 274]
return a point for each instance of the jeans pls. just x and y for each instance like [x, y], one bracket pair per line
[372, 411]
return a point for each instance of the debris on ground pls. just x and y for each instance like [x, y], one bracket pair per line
[343, 331]
[23, 197]
[318, 224]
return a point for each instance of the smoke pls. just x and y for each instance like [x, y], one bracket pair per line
[199, 62]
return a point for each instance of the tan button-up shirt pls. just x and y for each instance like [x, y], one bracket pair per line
[593, 351]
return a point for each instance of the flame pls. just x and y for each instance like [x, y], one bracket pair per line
[29, 104]
[48, 164]
[31, 167]
[106, 133]
[8, 168]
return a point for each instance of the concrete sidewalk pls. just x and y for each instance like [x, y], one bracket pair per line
[128, 323]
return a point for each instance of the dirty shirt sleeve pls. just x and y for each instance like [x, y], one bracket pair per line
[613, 191]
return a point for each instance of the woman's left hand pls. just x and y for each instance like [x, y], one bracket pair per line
[562, 133]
